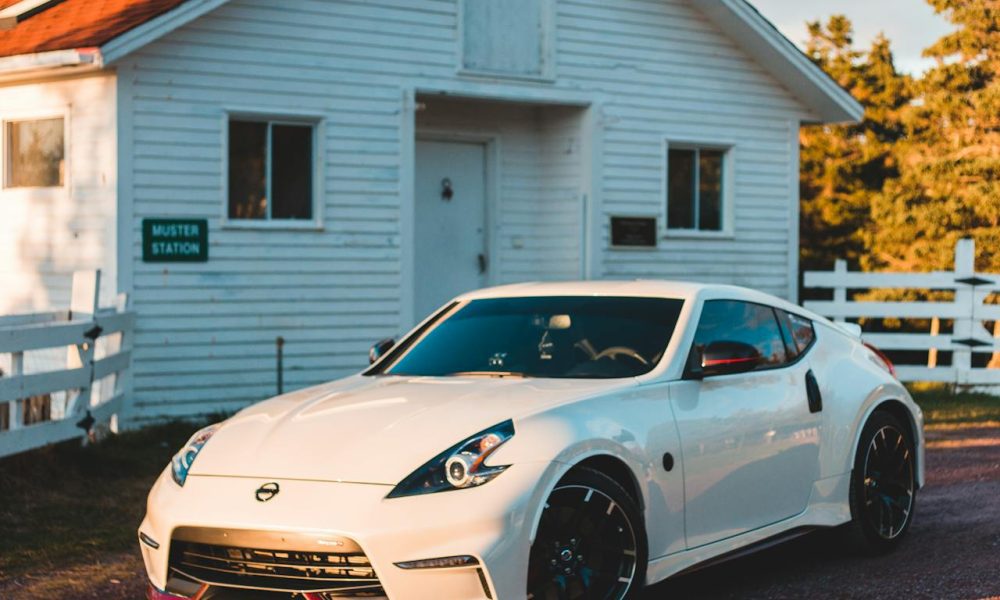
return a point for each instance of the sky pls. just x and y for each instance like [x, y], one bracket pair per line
[911, 25]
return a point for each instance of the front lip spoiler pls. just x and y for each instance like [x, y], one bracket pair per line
[154, 593]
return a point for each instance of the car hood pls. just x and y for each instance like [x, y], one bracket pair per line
[375, 429]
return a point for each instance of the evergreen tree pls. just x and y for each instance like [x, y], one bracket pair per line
[844, 166]
[949, 158]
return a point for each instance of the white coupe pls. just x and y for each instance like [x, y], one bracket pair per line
[546, 441]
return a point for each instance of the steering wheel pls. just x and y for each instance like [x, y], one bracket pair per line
[615, 351]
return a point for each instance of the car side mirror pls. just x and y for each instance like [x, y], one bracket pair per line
[379, 349]
[726, 358]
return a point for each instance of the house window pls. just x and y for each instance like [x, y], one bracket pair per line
[695, 194]
[271, 170]
[35, 151]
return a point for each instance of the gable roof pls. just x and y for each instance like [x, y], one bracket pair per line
[783, 59]
[75, 24]
[93, 33]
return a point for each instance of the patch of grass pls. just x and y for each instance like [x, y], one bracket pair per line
[66, 505]
[946, 407]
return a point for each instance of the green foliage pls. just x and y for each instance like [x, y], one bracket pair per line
[922, 170]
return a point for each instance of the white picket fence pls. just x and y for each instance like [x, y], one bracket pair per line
[968, 310]
[63, 371]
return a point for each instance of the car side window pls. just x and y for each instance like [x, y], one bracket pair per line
[802, 332]
[737, 321]
[784, 320]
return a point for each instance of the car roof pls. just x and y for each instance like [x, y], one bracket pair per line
[684, 290]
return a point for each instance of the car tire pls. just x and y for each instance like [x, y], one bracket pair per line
[883, 490]
[590, 542]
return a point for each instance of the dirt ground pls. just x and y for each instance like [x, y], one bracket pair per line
[953, 549]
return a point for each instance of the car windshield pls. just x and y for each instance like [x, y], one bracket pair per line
[563, 337]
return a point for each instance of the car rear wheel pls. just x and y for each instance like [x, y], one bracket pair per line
[591, 542]
[883, 486]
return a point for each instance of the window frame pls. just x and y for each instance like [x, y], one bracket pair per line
[728, 150]
[40, 114]
[548, 45]
[271, 118]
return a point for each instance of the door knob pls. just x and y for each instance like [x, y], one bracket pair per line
[446, 190]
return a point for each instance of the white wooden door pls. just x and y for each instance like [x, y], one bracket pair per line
[451, 246]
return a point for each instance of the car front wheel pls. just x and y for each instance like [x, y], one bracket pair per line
[590, 543]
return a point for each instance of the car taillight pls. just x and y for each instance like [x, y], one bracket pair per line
[886, 363]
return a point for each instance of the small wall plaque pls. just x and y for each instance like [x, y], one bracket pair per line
[174, 240]
[633, 232]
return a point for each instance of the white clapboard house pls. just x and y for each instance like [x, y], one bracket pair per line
[329, 171]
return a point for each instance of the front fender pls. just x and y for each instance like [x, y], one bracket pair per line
[634, 426]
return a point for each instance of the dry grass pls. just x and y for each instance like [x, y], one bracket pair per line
[66, 507]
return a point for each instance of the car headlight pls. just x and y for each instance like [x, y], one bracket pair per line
[181, 463]
[461, 466]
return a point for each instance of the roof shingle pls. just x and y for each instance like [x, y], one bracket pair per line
[78, 24]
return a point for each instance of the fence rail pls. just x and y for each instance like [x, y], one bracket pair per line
[67, 370]
[968, 310]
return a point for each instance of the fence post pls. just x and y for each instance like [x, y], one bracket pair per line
[965, 268]
[840, 290]
[85, 298]
[15, 418]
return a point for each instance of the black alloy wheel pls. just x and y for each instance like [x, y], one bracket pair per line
[590, 544]
[883, 485]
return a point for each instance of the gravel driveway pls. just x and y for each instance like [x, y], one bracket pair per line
[953, 550]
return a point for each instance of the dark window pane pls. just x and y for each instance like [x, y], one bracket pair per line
[35, 153]
[710, 190]
[680, 189]
[802, 332]
[247, 170]
[291, 171]
[575, 337]
[735, 321]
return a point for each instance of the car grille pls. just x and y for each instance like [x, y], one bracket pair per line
[218, 559]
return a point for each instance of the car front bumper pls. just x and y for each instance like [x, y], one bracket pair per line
[491, 523]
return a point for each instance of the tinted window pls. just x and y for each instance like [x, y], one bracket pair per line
[580, 337]
[786, 334]
[802, 332]
[734, 321]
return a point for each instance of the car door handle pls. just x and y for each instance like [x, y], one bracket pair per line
[813, 394]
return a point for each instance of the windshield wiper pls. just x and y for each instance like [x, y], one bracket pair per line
[499, 374]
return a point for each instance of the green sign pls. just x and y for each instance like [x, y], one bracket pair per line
[174, 240]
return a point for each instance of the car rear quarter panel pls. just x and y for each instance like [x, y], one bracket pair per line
[853, 387]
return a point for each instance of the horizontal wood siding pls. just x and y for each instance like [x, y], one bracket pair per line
[48, 233]
[666, 73]
[656, 68]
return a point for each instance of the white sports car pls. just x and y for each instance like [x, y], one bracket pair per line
[546, 441]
